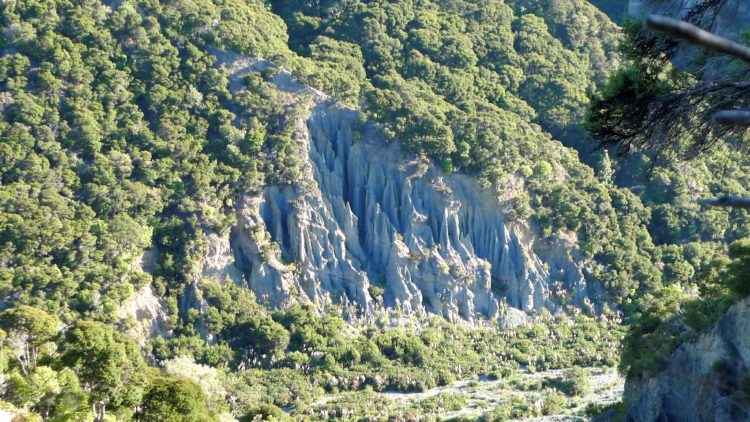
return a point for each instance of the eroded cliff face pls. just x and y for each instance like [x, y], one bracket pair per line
[703, 377]
[145, 314]
[369, 225]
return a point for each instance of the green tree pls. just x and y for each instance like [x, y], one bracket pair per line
[173, 399]
[738, 271]
[29, 328]
[36, 391]
[266, 412]
[108, 363]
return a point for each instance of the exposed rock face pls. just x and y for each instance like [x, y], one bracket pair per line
[145, 313]
[148, 315]
[511, 318]
[727, 18]
[216, 266]
[699, 383]
[367, 224]
[218, 262]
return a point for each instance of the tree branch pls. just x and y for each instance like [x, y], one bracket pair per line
[729, 201]
[695, 35]
[732, 118]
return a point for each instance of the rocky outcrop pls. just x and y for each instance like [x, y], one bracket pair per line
[703, 377]
[369, 224]
[218, 261]
[512, 318]
[145, 316]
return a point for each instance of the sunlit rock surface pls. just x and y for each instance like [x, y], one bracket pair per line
[368, 224]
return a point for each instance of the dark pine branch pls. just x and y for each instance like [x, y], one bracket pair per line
[739, 118]
[729, 201]
[693, 34]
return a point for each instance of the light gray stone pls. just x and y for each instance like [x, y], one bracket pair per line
[365, 213]
[690, 388]
[147, 314]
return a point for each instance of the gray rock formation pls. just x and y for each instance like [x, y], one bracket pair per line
[218, 261]
[512, 318]
[368, 224]
[145, 314]
[702, 378]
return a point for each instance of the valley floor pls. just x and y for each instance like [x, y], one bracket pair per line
[470, 399]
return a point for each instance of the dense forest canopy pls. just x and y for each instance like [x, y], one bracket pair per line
[651, 106]
[120, 134]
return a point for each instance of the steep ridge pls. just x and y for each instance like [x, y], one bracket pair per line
[367, 225]
[703, 380]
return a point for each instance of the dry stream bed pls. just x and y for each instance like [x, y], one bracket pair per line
[472, 398]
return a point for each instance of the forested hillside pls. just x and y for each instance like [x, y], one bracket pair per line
[661, 104]
[617, 10]
[124, 145]
[148, 144]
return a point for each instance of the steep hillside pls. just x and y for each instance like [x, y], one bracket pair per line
[705, 379]
[221, 208]
[365, 225]
[164, 178]
[684, 354]
[154, 140]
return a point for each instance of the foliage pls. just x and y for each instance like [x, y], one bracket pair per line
[27, 329]
[265, 412]
[122, 133]
[204, 376]
[521, 407]
[738, 270]
[639, 106]
[673, 316]
[575, 382]
[658, 114]
[615, 411]
[174, 399]
[65, 373]
[107, 362]
[412, 361]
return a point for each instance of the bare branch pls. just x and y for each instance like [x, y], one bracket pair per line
[729, 201]
[732, 118]
[695, 35]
